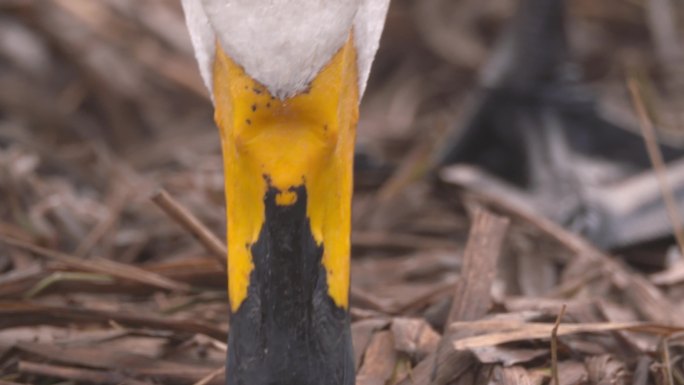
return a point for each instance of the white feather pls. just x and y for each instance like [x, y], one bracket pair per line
[202, 37]
[368, 25]
[284, 44]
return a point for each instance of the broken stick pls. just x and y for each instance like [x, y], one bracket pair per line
[192, 224]
[471, 301]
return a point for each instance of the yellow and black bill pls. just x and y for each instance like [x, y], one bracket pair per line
[288, 167]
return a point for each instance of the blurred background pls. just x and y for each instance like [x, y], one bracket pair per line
[521, 107]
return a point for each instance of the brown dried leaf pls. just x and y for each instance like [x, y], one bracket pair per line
[516, 375]
[362, 331]
[472, 292]
[572, 373]
[606, 370]
[414, 337]
[379, 361]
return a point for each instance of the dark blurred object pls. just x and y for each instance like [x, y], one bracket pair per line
[534, 123]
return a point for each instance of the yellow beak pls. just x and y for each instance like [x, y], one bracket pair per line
[288, 169]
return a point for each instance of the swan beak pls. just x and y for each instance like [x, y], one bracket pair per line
[288, 183]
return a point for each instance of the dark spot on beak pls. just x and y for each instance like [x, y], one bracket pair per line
[257, 91]
[268, 105]
[325, 127]
[248, 121]
[254, 107]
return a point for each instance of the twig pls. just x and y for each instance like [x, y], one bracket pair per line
[211, 376]
[13, 314]
[102, 266]
[554, 346]
[492, 332]
[366, 300]
[62, 276]
[76, 374]
[656, 157]
[189, 222]
[667, 363]
[430, 296]
[399, 240]
[116, 204]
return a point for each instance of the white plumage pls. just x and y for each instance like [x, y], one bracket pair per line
[283, 44]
